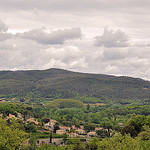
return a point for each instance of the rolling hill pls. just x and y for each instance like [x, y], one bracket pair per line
[58, 83]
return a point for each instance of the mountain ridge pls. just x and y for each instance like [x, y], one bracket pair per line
[59, 83]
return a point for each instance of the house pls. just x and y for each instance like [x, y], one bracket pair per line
[57, 141]
[73, 127]
[32, 120]
[92, 133]
[80, 131]
[11, 116]
[60, 132]
[52, 122]
[102, 129]
[2, 99]
[47, 124]
[44, 131]
[83, 136]
[120, 124]
[73, 135]
[65, 128]
[99, 128]
[88, 139]
[20, 116]
[81, 127]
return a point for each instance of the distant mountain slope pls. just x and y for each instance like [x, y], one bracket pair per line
[60, 83]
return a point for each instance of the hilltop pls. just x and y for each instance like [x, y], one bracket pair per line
[58, 83]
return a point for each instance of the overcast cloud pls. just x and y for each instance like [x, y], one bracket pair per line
[55, 37]
[94, 36]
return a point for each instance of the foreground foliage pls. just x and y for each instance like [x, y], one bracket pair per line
[11, 137]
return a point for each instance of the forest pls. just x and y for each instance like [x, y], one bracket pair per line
[58, 83]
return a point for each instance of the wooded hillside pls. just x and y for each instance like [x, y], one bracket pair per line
[57, 83]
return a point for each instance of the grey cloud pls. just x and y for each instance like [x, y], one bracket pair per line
[5, 36]
[3, 26]
[65, 5]
[3, 31]
[115, 53]
[55, 37]
[41, 35]
[112, 39]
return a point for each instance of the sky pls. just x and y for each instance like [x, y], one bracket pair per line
[90, 36]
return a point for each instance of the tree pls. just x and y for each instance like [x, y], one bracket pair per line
[45, 120]
[145, 134]
[65, 138]
[137, 121]
[92, 145]
[107, 125]
[56, 127]
[30, 127]
[103, 133]
[135, 125]
[22, 100]
[129, 130]
[90, 127]
[79, 146]
[88, 107]
[32, 141]
[25, 113]
[11, 138]
[50, 138]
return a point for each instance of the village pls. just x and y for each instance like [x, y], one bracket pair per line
[53, 127]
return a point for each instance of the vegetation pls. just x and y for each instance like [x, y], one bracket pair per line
[56, 83]
[65, 103]
[116, 108]
[11, 137]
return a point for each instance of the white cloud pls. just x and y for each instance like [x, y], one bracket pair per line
[112, 39]
[111, 69]
[27, 54]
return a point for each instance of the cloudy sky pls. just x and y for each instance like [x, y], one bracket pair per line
[94, 36]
